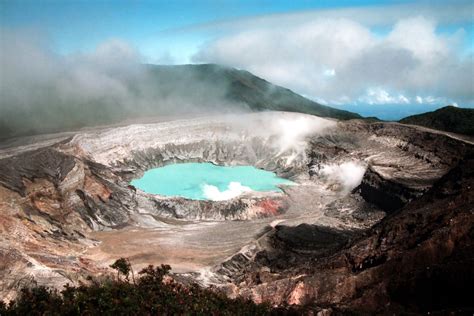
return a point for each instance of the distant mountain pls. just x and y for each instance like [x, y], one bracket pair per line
[150, 91]
[242, 87]
[448, 118]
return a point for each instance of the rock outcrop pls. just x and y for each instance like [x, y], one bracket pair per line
[418, 259]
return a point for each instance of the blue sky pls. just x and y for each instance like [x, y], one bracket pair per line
[81, 25]
[208, 31]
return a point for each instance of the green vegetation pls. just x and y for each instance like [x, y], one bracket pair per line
[449, 119]
[152, 293]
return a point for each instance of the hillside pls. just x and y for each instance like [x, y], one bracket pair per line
[238, 86]
[449, 119]
[155, 91]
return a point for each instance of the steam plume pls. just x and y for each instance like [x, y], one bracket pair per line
[234, 189]
[347, 175]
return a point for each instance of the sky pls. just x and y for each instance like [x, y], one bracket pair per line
[384, 58]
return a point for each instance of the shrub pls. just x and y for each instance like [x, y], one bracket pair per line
[150, 294]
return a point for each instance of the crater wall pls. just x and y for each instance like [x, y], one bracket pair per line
[53, 198]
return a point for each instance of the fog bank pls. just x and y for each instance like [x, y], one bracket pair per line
[42, 91]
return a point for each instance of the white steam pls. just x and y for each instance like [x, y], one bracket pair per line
[346, 175]
[234, 189]
[292, 132]
[287, 132]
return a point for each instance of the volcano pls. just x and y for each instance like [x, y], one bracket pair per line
[379, 218]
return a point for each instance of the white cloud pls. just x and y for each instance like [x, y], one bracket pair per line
[339, 60]
[234, 189]
[377, 15]
[114, 52]
[403, 99]
[41, 91]
[330, 72]
[31, 72]
[431, 100]
[418, 36]
[381, 96]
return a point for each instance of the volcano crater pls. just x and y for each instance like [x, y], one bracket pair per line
[75, 191]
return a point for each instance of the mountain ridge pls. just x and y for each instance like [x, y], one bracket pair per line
[272, 96]
[161, 90]
[448, 118]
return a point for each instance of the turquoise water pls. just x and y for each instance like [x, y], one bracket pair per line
[206, 181]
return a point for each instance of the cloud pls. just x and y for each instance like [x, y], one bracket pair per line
[42, 91]
[380, 96]
[330, 72]
[372, 16]
[431, 100]
[341, 60]
[234, 189]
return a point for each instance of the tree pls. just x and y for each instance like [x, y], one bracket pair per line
[123, 267]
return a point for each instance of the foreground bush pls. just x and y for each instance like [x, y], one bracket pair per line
[151, 293]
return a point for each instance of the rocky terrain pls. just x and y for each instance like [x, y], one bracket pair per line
[380, 219]
[419, 258]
